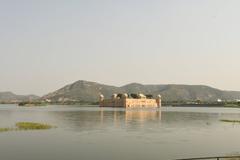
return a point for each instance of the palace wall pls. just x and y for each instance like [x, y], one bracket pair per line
[131, 103]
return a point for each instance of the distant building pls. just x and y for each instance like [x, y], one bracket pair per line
[219, 100]
[130, 101]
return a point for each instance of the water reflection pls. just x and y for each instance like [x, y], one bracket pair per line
[130, 118]
[142, 115]
[103, 119]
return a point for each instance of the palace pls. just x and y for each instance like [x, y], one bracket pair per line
[130, 101]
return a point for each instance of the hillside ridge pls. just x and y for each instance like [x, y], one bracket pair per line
[82, 90]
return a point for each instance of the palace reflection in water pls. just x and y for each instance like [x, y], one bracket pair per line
[135, 116]
[102, 118]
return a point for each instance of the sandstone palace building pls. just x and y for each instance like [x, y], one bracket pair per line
[130, 101]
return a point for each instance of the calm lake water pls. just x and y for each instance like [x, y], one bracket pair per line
[93, 133]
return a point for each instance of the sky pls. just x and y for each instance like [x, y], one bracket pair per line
[47, 44]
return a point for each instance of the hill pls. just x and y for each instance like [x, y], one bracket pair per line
[11, 97]
[89, 91]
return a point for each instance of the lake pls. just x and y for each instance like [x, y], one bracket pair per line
[93, 133]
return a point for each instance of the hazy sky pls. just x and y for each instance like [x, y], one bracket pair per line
[46, 44]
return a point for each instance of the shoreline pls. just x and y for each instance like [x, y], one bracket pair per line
[164, 105]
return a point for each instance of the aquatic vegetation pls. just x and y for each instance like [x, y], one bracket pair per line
[32, 104]
[5, 129]
[27, 126]
[230, 121]
[32, 126]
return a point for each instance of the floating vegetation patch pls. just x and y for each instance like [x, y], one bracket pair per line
[28, 126]
[32, 126]
[230, 121]
[5, 129]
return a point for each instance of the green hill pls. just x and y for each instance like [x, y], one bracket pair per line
[89, 92]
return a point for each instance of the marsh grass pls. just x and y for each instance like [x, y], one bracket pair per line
[5, 129]
[230, 121]
[27, 126]
[32, 126]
